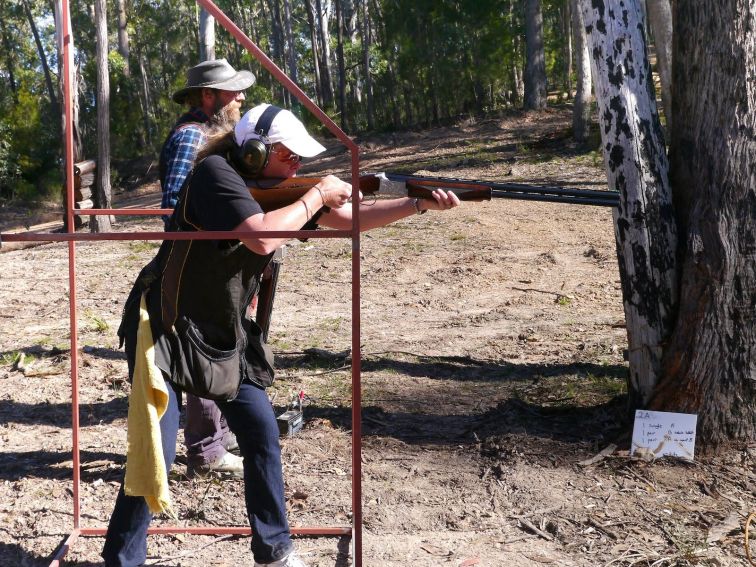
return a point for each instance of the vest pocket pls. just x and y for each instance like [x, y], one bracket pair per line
[202, 369]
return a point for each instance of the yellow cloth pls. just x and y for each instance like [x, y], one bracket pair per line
[145, 468]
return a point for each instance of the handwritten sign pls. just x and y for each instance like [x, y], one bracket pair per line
[663, 433]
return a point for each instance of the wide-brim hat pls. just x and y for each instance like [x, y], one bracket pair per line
[285, 128]
[215, 74]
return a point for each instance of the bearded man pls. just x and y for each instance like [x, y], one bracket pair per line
[214, 93]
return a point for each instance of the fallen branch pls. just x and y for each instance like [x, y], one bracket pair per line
[525, 523]
[190, 552]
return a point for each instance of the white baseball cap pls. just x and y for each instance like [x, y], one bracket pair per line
[285, 128]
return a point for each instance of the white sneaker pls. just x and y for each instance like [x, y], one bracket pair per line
[227, 464]
[291, 560]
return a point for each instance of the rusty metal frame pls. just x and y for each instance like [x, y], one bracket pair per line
[355, 530]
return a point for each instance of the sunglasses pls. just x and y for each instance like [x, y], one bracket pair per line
[286, 155]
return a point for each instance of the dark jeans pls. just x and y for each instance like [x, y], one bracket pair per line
[205, 431]
[250, 416]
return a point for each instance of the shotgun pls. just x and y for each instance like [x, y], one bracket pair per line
[276, 193]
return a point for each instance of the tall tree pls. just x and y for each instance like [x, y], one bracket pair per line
[341, 63]
[43, 59]
[10, 63]
[123, 36]
[710, 359]
[636, 166]
[660, 19]
[101, 223]
[291, 52]
[581, 110]
[314, 40]
[370, 111]
[535, 59]
[325, 51]
[207, 36]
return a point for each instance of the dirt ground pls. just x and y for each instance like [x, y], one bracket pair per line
[492, 369]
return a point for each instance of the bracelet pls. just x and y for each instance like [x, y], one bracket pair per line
[307, 209]
[322, 198]
[416, 204]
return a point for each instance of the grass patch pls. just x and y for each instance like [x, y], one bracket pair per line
[142, 246]
[97, 323]
[10, 358]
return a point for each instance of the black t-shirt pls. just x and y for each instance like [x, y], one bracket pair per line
[217, 198]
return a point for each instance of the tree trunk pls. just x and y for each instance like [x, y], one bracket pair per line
[366, 65]
[535, 60]
[206, 36]
[565, 12]
[660, 19]
[581, 110]
[147, 113]
[9, 60]
[312, 22]
[55, 109]
[518, 88]
[325, 53]
[710, 362]
[279, 48]
[102, 183]
[78, 153]
[123, 36]
[291, 52]
[636, 166]
[340, 61]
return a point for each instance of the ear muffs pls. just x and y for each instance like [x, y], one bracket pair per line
[251, 158]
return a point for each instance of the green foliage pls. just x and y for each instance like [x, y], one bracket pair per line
[429, 62]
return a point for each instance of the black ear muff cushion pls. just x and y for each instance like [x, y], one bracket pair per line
[251, 158]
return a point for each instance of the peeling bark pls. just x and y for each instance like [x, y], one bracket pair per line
[710, 363]
[636, 166]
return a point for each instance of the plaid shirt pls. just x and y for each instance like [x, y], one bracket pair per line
[179, 152]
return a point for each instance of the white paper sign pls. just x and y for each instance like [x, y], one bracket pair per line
[664, 433]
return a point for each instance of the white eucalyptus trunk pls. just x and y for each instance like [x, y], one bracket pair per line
[636, 166]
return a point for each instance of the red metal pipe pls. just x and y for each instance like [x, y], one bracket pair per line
[356, 377]
[63, 549]
[205, 235]
[69, 169]
[222, 530]
[122, 211]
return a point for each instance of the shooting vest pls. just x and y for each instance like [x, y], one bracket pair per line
[198, 292]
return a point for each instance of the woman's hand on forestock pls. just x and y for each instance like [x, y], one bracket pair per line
[334, 192]
[442, 200]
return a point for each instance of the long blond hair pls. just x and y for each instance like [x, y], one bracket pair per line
[219, 139]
